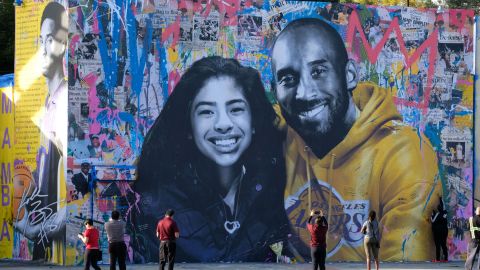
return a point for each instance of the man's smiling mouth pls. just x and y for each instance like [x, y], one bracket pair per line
[314, 110]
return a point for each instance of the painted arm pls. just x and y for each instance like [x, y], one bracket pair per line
[409, 187]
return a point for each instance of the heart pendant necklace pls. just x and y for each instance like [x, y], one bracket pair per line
[232, 226]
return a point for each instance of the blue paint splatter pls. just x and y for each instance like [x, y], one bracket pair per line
[137, 66]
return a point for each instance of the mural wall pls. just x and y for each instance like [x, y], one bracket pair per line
[39, 201]
[6, 162]
[477, 120]
[127, 58]
[339, 108]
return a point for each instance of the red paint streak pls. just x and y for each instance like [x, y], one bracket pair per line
[459, 17]
[120, 141]
[95, 28]
[431, 42]
[172, 30]
[127, 152]
[70, 164]
[105, 205]
[93, 101]
[226, 8]
[73, 42]
[173, 78]
[186, 6]
[134, 9]
[24, 252]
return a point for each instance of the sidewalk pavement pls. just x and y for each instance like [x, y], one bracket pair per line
[19, 265]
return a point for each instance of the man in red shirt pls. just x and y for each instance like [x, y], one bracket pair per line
[318, 244]
[167, 232]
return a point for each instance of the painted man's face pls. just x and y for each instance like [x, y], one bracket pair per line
[95, 142]
[221, 121]
[85, 168]
[51, 48]
[310, 81]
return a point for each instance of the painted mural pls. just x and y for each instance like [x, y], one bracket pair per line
[393, 133]
[476, 197]
[242, 116]
[7, 154]
[39, 200]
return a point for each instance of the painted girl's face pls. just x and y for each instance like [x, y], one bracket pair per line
[221, 121]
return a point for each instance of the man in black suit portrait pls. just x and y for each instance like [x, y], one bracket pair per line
[82, 179]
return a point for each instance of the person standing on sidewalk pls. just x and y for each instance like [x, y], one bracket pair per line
[318, 243]
[474, 245]
[167, 232]
[371, 241]
[440, 232]
[115, 228]
[90, 238]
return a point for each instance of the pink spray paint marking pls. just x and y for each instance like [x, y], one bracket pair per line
[430, 43]
[93, 102]
[173, 79]
[459, 17]
[227, 8]
[172, 30]
[95, 28]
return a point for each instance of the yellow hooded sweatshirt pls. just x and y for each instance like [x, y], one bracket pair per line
[382, 165]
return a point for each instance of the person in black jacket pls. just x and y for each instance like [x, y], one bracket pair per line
[215, 156]
[440, 232]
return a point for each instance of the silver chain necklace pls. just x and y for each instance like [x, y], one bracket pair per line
[233, 225]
